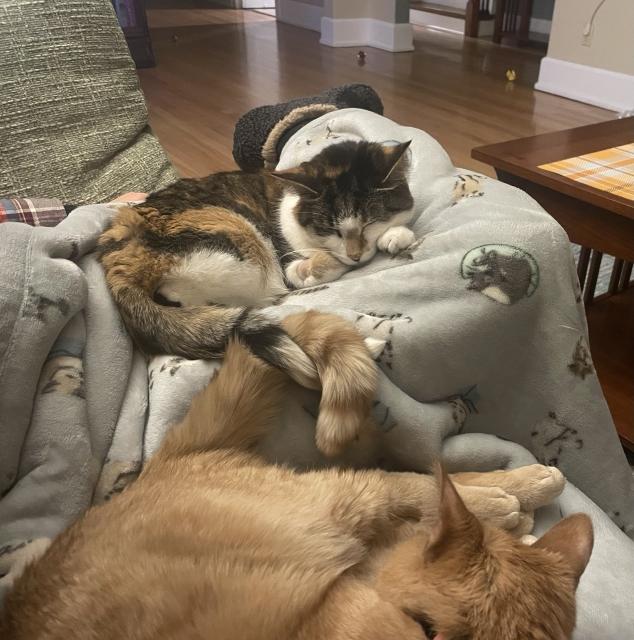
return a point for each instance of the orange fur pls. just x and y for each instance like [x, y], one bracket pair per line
[212, 542]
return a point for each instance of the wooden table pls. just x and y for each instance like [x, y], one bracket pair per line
[601, 223]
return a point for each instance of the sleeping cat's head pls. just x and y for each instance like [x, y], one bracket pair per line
[469, 581]
[345, 198]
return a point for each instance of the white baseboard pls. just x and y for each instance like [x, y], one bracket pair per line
[299, 13]
[599, 87]
[366, 32]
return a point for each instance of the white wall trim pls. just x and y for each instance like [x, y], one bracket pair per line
[299, 13]
[361, 32]
[602, 88]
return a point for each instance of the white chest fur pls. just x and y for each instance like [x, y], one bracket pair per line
[292, 231]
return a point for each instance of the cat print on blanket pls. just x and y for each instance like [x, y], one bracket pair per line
[552, 437]
[581, 364]
[38, 306]
[467, 185]
[501, 272]
[64, 374]
[381, 327]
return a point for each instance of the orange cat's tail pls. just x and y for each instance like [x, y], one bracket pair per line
[243, 401]
[347, 373]
[238, 407]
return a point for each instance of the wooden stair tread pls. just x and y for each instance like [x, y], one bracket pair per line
[443, 10]
[611, 327]
[438, 9]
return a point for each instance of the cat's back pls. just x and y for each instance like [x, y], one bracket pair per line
[192, 553]
[247, 193]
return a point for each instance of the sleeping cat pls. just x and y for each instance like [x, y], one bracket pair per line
[188, 267]
[212, 542]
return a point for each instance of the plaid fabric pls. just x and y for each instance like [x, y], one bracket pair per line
[609, 170]
[41, 212]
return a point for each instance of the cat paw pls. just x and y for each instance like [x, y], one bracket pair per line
[395, 240]
[528, 540]
[525, 525]
[298, 273]
[535, 485]
[492, 505]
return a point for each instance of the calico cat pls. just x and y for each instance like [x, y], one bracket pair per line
[212, 542]
[192, 264]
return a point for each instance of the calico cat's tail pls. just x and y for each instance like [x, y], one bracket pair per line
[316, 350]
[133, 274]
[242, 403]
[203, 332]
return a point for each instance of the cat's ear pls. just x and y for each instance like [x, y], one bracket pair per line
[458, 530]
[393, 153]
[572, 538]
[301, 182]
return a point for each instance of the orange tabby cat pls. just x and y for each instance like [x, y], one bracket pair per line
[211, 542]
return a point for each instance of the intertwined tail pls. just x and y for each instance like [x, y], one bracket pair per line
[242, 403]
[347, 374]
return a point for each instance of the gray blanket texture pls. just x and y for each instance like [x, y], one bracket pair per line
[486, 362]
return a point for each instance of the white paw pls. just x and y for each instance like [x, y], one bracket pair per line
[395, 239]
[296, 273]
[528, 539]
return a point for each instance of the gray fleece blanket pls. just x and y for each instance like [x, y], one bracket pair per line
[486, 362]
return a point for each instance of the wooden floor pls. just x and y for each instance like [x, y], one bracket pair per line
[611, 324]
[215, 64]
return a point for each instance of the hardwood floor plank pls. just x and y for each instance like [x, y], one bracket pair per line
[213, 69]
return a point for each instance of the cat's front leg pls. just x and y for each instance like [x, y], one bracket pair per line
[319, 268]
[395, 239]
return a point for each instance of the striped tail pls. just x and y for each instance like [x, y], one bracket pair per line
[203, 332]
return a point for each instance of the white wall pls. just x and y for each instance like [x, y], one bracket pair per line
[612, 40]
[383, 24]
[599, 68]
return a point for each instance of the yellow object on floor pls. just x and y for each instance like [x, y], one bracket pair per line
[608, 170]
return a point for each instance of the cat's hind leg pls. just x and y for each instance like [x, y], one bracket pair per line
[371, 505]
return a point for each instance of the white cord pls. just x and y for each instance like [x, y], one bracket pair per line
[590, 24]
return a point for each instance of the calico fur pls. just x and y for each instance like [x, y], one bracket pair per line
[192, 265]
[213, 542]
